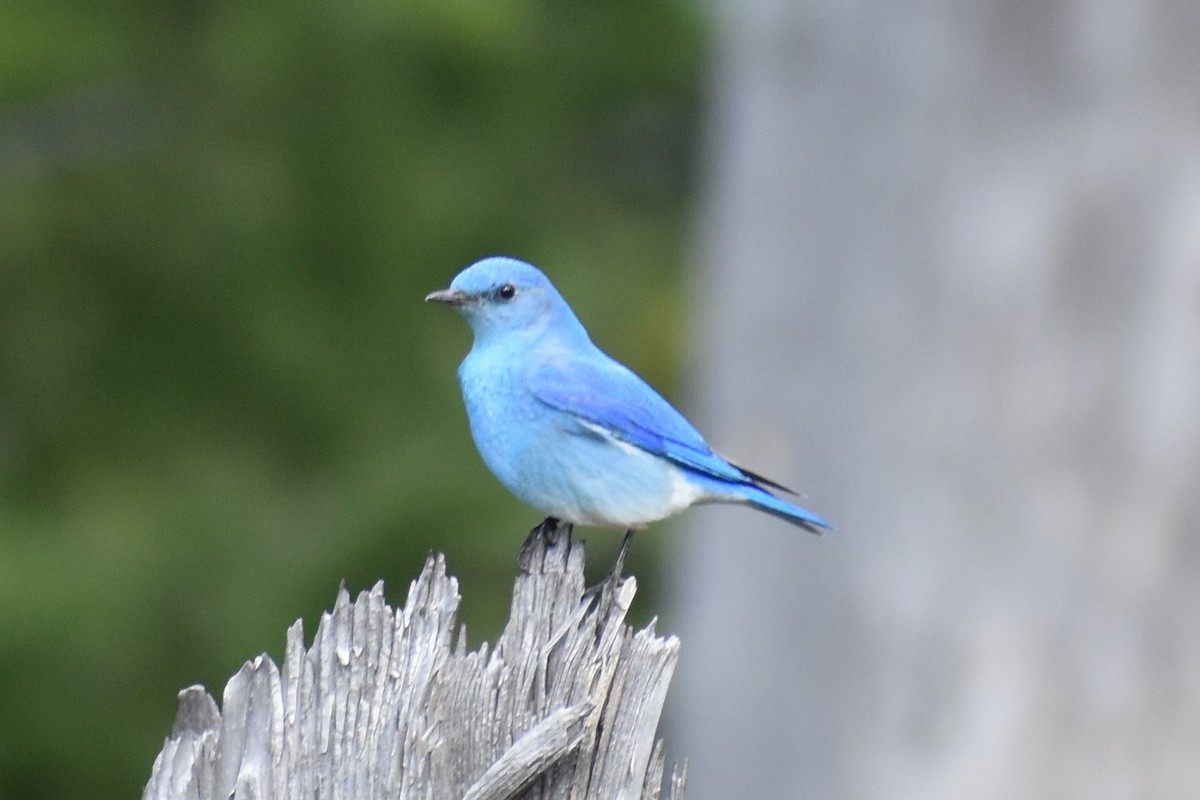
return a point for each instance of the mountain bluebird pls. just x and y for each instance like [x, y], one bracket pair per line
[569, 430]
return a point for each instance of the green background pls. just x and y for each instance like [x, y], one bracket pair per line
[220, 391]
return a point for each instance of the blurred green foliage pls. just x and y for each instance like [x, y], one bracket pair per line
[220, 392]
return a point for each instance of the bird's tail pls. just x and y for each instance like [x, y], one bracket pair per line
[765, 501]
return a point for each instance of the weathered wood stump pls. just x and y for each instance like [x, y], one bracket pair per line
[384, 705]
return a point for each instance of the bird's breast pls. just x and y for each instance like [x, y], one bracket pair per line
[503, 415]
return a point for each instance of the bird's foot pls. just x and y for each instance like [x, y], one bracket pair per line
[549, 530]
[545, 534]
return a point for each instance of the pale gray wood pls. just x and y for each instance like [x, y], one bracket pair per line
[385, 703]
[534, 753]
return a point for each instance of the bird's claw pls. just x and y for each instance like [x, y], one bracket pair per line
[548, 532]
[548, 529]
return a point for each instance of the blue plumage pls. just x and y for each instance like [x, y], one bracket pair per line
[571, 431]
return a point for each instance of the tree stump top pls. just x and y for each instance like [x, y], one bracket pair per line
[385, 703]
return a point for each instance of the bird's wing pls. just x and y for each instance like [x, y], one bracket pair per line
[604, 394]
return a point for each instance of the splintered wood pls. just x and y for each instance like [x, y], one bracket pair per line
[385, 704]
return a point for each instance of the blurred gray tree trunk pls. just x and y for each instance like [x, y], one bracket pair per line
[950, 286]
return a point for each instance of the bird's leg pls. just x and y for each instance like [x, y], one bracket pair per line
[619, 564]
[613, 579]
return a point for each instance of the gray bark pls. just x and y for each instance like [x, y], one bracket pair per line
[950, 287]
[382, 705]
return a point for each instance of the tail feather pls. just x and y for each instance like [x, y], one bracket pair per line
[723, 491]
[762, 480]
[765, 501]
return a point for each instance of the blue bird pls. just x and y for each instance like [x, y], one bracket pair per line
[572, 432]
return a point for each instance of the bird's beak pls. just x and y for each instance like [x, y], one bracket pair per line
[451, 297]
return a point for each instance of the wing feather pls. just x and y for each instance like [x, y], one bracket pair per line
[610, 396]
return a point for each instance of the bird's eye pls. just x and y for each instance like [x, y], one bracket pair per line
[506, 292]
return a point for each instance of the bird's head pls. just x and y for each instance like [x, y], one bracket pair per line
[504, 296]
